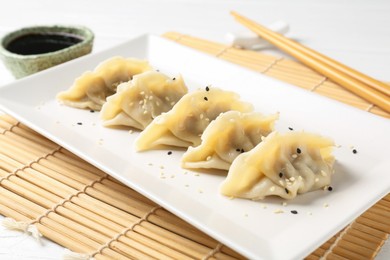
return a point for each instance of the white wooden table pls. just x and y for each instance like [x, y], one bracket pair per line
[356, 33]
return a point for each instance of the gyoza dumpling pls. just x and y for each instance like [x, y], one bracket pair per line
[283, 165]
[229, 135]
[184, 124]
[91, 89]
[139, 101]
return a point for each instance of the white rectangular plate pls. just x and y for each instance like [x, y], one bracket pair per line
[252, 228]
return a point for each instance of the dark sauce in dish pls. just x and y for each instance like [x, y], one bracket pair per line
[42, 43]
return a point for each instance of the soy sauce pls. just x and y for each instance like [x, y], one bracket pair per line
[42, 43]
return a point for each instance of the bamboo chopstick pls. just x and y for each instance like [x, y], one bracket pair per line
[362, 85]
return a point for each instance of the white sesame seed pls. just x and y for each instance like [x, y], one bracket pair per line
[141, 102]
[130, 131]
[145, 112]
[323, 173]
[326, 205]
[131, 104]
[157, 103]
[284, 204]
[201, 116]
[207, 119]
[294, 155]
[262, 138]
[278, 211]
[272, 188]
[208, 158]
[142, 93]
[172, 103]
[167, 98]
[150, 97]
[281, 182]
[292, 179]
[300, 178]
[316, 179]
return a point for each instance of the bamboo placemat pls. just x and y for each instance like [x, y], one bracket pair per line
[81, 208]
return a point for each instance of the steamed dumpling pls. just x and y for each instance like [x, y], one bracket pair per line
[139, 101]
[283, 165]
[184, 124]
[91, 89]
[229, 135]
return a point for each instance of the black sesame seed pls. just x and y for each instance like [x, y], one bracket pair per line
[92, 111]
[299, 150]
[174, 79]
[354, 151]
[294, 212]
[79, 123]
[290, 128]
[286, 190]
[205, 98]
[207, 88]
[330, 188]
[158, 70]
[238, 150]
[170, 152]
[242, 150]
[280, 174]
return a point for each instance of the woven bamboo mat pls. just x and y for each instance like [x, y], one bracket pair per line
[80, 207]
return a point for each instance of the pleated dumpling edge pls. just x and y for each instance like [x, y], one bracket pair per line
[184, 124]
[283, 165]
[139, 101]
